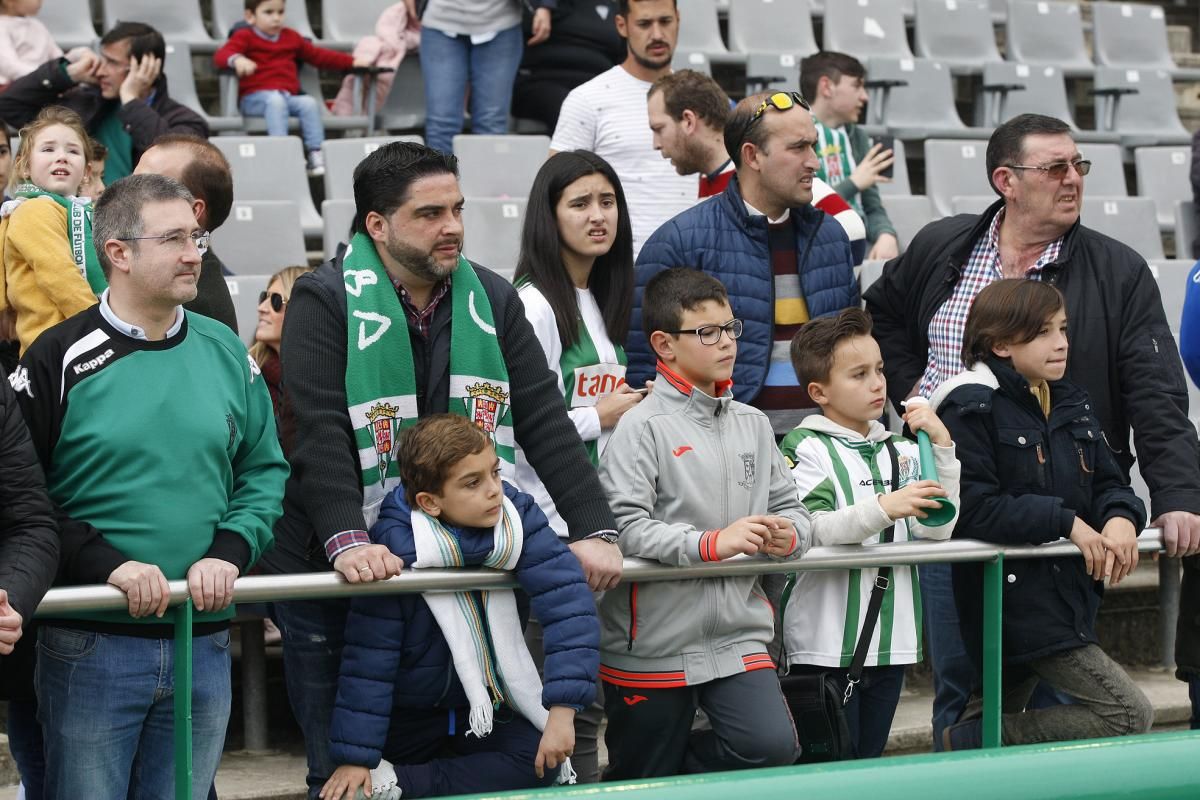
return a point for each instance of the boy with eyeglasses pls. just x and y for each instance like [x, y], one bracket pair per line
[694, 476]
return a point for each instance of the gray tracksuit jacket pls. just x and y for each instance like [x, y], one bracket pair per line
[680, 466]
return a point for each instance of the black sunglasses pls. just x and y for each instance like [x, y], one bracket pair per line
[277, 301]
[781, 101]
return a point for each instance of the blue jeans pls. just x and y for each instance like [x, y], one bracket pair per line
[275, 107]
[872, 706]
[953, 671]
[449, 64]
[313, 637]
[106, 707]
[25, 742]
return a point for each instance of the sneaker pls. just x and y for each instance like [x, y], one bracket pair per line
[316, 163]
[966, 735]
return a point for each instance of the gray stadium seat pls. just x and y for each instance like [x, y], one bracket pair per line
[271, 168]
[310, 83]
[899, 184]
[260, 237]
[227, 13]
[952, 169]
[908, 213]
[866, 29]
[1131, 220]
[492, 233]
[972, 203]
[181, 82]
[771, 72]
[1185, 232]
[499, 166]
[338, 216]
[1010, 89]
[770, 27]
[914, 98]
[1107, 177]
[70, 21]
[700, 32]
[693, 60]
[178, 20]
[244, 291]
[344, 23]
[1163, 175]
[343, 155]
[958, 33]
[1133, 35]
[1047, 33]
[404, 108]
[1139, 105]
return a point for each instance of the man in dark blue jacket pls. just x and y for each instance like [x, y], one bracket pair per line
[782, 261]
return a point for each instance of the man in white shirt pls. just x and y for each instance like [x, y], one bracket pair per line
[607, 115]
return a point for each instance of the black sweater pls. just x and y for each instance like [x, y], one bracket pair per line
[324, 493]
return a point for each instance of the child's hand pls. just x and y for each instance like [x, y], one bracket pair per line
[244, 66]
[558, 740]
[912, 500]
[921, 418]
[1094, 547]
[364, 62]
[747, 536]
[781, 536]
[344, 781]
[1122, 536]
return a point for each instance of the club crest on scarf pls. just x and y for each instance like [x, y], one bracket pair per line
[486, 404]
[383, 421]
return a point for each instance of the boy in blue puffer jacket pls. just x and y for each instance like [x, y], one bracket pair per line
[441, 684]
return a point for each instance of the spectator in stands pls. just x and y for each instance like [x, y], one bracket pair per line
[121, 94]
[203, 169]
[266, 57]
[1128, 366]
[1015, 350]
[25, 41]
[833, 82]
[583, 43]
[607, 115]
[862, 484]
[51, 271]
[177, 418]
[782, 261]
[474, 43]
[404, 294]
[1187, 631]
[93, 184]
[272, 304]
[688, 111]
[397, 33]
[1195, 176]
[666, 473]
[414, 683]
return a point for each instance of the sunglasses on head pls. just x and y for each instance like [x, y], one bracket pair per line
[277, 301]
[781, 101]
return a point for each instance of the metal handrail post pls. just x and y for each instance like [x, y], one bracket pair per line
[993, 623]
[183, 700]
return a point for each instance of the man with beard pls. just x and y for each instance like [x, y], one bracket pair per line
[607, 115]
[398, 327]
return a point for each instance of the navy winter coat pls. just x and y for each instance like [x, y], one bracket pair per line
[396, 658]
[718, 237]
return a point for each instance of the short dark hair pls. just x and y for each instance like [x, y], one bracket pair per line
[118, 212]
[252, 5]
[1009, 311]
[828, 64]
[814, 344]
[735, 127]
[143, 39]
[689, 90]
[207, 176]
[99, 151]
[430, 449]
[623, 6]
[382, 179]
[674, 291]
[1007, 145]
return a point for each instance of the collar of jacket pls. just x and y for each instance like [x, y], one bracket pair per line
[1065, 397]
[959, 257]
[678, 392]
[735, 206]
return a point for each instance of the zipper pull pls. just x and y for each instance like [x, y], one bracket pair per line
[1040, 455]
[1154, 342]
[1082, 461]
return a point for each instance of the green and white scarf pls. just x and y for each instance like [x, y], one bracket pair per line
[381, 391]
[79, 233]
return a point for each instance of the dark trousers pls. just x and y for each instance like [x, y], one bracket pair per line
[650, 730]
[25, 742]
[872, 706]
[434, 756]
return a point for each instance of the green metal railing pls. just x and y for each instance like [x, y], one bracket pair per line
[63, 601]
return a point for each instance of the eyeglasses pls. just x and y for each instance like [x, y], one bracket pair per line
[277, 301]
[177, 241]
[1058, 170]
[780, 101]
[711, 334]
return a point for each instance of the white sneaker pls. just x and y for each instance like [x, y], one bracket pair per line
[316, 163]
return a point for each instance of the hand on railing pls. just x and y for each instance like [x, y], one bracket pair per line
[368, 69]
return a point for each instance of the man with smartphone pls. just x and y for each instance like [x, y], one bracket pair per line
[833, 83]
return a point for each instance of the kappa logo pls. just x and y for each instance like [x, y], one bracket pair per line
[19, 381]
[678, 451]
[93, 363]
[634, 699]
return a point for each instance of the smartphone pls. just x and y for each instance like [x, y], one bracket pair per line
[888, 143]
[643, 390]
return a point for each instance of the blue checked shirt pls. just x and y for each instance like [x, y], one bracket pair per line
[949, 321]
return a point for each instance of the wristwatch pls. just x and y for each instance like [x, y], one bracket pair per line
[606, 536]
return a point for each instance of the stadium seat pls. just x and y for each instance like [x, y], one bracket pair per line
[499, 166]
[227, 13]
[1131, 220]
[899, 185]
[70, 21]
[1133, 35]
[767, 27]
[914, 98]
[271, 168]
[1047, 33]
[338, 216]
[700, 32]
[908, 213]
[1163, 175]
[344, 23]
[343, 155]
[1107, 176]
[952, 169]
[1185, 233]
[260, 237]
[1140, 106]
[972, 203]
[771, 72]
[244, 291]
[958, 33]
[686, 59]
[310, 83]
[404, 108]
[178, 20]
[866, 29]
[818, 7]
[492, 232]
[181, 83]
[1010, 89]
